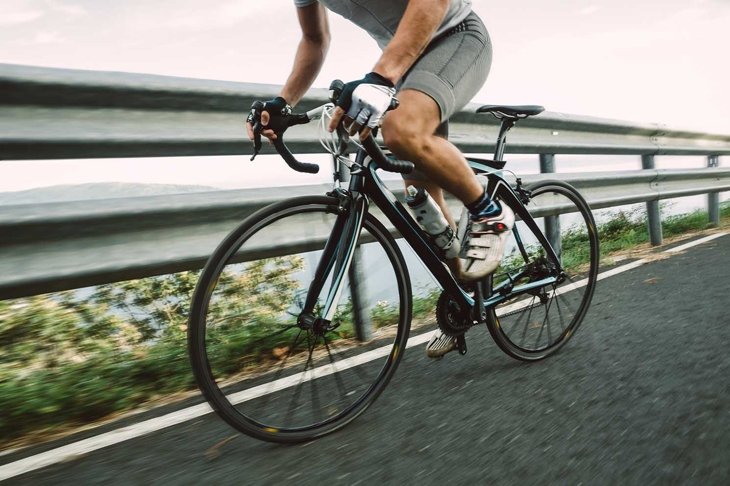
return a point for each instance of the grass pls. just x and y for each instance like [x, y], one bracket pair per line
[626, 230]
[623, 230]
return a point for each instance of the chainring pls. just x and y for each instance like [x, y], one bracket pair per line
[450, 318]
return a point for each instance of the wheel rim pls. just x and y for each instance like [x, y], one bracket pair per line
[270, 374]
[532, 325]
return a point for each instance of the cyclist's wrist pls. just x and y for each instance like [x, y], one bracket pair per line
[392, 73]
[277, 106]
[380, 79]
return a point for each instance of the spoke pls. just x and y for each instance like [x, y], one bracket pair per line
[280, 330]
[527, 323]
[276, 333]
[228, 318]
[566, 302]
[282, 367]
[346, 354]
[289, 353]
[522, 314]
[560, 313]
[298, 389]
[546, 320]
[292, 406]
[313, 386]
[340, 384]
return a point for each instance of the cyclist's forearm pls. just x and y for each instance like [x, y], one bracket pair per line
[310, 54]
[307, 64]
[419, 22]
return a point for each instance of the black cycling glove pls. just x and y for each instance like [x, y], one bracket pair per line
[279, 111]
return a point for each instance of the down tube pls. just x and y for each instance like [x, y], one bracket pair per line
[398, 215]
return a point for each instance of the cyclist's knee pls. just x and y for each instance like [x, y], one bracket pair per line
[403, 139]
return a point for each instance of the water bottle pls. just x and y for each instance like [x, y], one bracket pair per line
[429, 216]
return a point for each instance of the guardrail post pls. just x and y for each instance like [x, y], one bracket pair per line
[552, 223]
[358, 293]
[653, 215]
[713, 198]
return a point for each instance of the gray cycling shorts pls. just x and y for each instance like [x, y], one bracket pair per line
[451, 70]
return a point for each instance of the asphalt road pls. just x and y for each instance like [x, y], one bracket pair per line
[641, 395]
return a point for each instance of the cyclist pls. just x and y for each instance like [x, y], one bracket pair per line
[436, 55]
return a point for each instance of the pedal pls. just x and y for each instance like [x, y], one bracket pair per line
[461, 344]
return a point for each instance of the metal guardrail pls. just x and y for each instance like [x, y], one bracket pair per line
[75, 114]
[51, 113]
[49, 247]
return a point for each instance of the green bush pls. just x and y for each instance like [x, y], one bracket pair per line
[67, 359]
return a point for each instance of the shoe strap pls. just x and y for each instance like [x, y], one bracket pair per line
[490, 227]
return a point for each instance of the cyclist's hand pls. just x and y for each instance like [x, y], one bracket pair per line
[362, 104]
[272, 116]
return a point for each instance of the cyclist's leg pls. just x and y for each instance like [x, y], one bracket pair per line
[417, 179]
[409, 132]
[455, 168]
[449, 73]
[446, 77]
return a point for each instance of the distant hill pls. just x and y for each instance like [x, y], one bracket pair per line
[102, 190]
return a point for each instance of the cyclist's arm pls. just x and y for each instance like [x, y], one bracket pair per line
[308, 60]
[416, 28]
[310, 54]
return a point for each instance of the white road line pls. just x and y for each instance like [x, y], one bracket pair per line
[100, 441]
[113, 437]
[696, 242]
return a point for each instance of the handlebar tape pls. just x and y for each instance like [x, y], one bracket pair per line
[385, 163]
[291, 161]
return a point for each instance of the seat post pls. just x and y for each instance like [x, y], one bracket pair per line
[507, 123]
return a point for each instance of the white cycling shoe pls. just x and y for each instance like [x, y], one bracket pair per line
[440, 344]
[482, 251]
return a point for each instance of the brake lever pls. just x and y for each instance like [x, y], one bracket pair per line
[256, 140]
[256, 107]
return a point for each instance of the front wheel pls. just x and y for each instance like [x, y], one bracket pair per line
[534, 325]
[267, 371]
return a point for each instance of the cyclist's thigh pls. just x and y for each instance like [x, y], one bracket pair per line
[454, 67]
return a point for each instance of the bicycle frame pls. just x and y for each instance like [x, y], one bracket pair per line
[364, 186]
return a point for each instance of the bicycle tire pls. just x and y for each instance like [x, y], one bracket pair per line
[221, 309]
[521, 326]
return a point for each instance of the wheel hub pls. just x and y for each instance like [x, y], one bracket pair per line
[316, 325]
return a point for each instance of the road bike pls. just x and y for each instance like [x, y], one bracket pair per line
[302, 314]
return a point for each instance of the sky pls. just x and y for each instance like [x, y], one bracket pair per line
[662, 61]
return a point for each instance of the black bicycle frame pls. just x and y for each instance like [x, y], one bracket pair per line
[364, 185]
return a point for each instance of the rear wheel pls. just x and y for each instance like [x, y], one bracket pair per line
[267, 371]
[534, 325]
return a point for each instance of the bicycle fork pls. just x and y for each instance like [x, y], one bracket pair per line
[334, 263]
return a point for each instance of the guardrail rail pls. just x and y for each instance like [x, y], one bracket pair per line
[59, 114]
